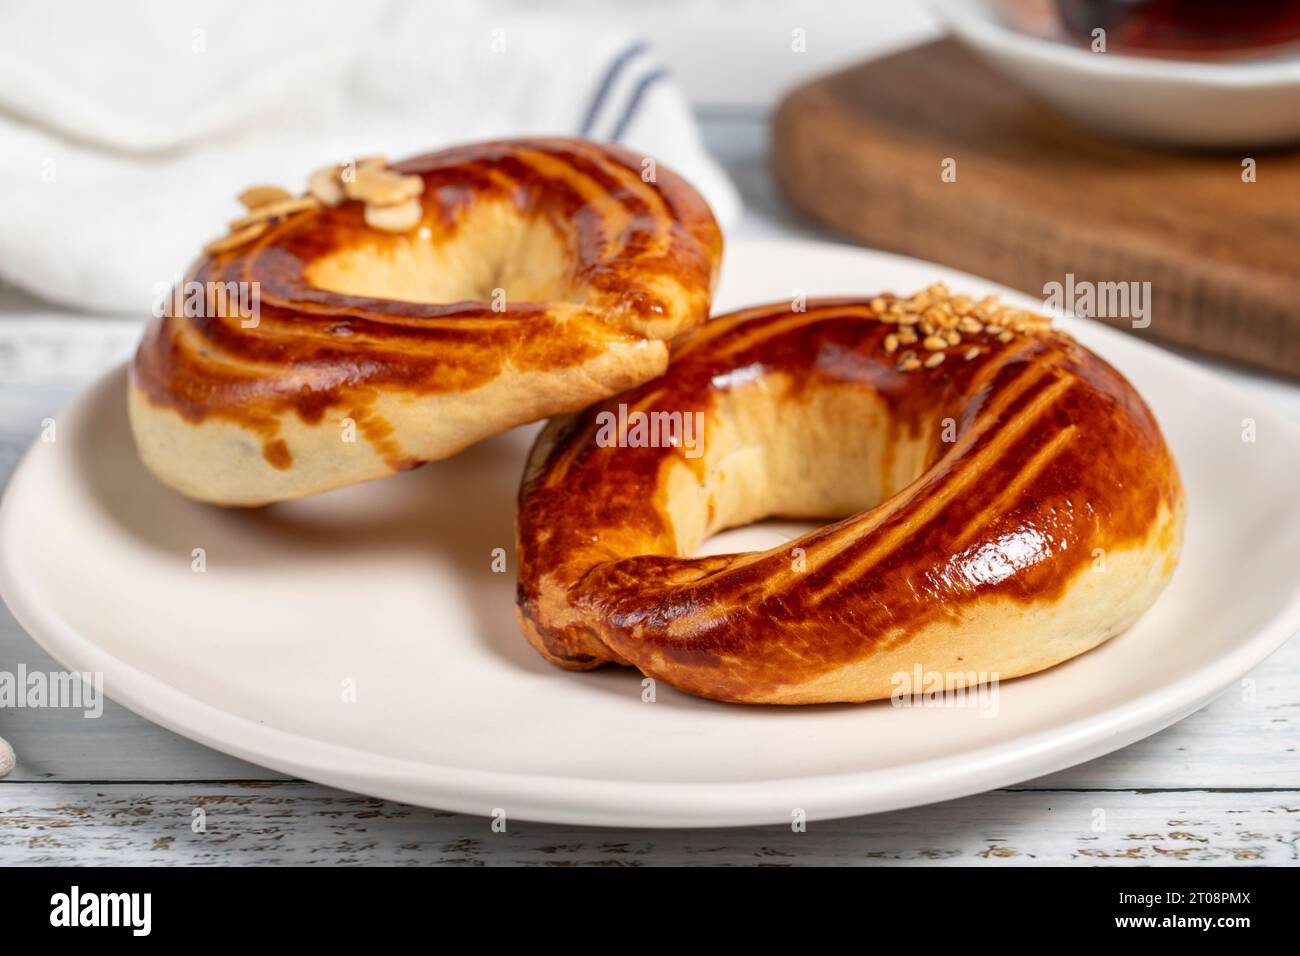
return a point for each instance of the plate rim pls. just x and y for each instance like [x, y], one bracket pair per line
[575, 800]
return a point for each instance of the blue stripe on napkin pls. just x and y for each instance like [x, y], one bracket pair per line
[634, 101]
[607, 83]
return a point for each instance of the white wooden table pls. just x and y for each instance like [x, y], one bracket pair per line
[1223, 786]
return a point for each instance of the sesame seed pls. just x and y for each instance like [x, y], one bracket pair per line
[938, 319]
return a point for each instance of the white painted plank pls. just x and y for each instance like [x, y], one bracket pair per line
[294, 823]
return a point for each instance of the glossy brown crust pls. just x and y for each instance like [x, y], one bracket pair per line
[313, 350]
[1055, 455]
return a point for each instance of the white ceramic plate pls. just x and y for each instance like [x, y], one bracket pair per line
[389, 586]
[1248, 104]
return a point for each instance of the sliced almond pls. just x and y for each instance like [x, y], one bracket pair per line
[274, 210]
[383, 187]
[394, 218]
[255, 196]
[236, 239]
[325, 186]
[348, 171]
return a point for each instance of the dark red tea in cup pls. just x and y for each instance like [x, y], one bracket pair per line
[1185, 28]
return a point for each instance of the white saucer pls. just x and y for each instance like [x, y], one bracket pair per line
[390, 586]
[1251, 104]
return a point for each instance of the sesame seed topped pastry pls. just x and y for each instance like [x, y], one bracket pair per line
[1010, 504]
[403, 313]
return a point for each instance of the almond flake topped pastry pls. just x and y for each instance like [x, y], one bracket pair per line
[394, 315]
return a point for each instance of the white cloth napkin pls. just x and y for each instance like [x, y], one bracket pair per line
[127, 128]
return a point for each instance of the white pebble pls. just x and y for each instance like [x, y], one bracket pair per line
[7, 758]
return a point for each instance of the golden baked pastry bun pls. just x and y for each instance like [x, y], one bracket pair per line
[405, 313]
[1006, 501]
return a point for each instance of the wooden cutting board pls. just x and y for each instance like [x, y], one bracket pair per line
[1036, 198]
